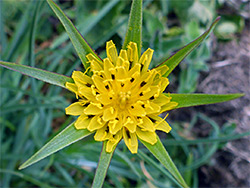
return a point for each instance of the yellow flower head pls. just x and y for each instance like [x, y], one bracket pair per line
[122, 98]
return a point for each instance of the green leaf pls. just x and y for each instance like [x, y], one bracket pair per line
[66, 137]
[80, 44]
[46, 76]
[134, 30]
[175, 59]
[102, 167]
[162, 155]
[186, 100]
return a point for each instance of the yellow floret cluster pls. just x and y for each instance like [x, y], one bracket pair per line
[121, 98]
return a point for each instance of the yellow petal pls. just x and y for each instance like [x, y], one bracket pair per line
[95, 66]
[107, 66]
[169, 106]
[164, 83]
[162, 100]
[102, 134]
[112, 142]
[115, 125]
[137, 109]
[111, 52]
[96, 123]
[105, 98]
[91, 57]
[160, 124]
[130, 124]
[146, 136]
[123, 54]
[93, 109]
[146, 59]
[162, 69]
[152, 108]
[132, 52]
[149, 92]
[75, 109]
[98, 81]
[87, 93]
[81, 79]
[72, 87]
[109, 113]
[147, 124]
[82, 122]
[130, 140]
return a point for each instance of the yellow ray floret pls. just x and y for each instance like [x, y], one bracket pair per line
[122, 98]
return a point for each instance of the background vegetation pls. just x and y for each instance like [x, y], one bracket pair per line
[32, 112]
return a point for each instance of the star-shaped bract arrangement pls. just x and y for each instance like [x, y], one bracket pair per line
[119, 97]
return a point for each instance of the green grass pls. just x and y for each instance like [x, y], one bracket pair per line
[32, 112]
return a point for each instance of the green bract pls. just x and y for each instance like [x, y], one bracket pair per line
[134, 32]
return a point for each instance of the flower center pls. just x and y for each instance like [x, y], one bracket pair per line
[123, 98]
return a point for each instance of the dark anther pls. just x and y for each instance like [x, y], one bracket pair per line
[142, 66]
[101, 76]
[90, 116]
[151, 98]
[107, 129]
[130, 65]
[110, 98]
[117, 118]
[153, 120]
[107, 86]
[102, 105]
[122, 84]
[88, 84]
[143, 106]
[143, 83]
[113, 76]
[128, 133]
[132, 107]
[141, 94]
[86, 104]
[132, 79]
[138, 117]
[97, 92]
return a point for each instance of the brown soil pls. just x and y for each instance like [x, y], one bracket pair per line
[229, 73]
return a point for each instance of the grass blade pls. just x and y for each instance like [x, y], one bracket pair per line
[26, 177]
[66, 137]
[150, 161]
[3, 35]
[87, 25]
[175, 59]
[80, 44]
[102, 167]
[134, 30]
[45, 76]
[162, 155]
[187, 100]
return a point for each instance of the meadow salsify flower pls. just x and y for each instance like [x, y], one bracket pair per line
[122, 98]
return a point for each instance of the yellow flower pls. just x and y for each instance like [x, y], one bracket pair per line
[122, 98]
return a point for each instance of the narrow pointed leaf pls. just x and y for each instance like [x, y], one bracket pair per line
[80, 44]
[175, 59]
[162, 155]
[134, 30]
[187, 100]
[66, 137]
[46, 76]
[102, 167]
